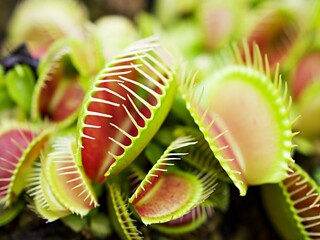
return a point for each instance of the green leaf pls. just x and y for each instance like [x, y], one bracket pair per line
[75, 222]
[2, 77]
[153, 152]
[20, 83]
[5, 100]
[220, 199]
[100, 225]
[9, 213]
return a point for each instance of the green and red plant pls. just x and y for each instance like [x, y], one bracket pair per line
[135, 136]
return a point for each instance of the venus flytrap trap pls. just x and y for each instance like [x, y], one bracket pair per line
[43, 202]
[64, 76]
[197, 217]
[188, 222]
[121, 215]
[21, 144]
[58, 185]
[154, 192]
[293, 205]
[198, 160]
[124, 108]
[68, 180]
[244, 116]
[167, 193]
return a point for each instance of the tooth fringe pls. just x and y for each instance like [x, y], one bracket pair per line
[17, 144]
[143, 101]
[106, 74]
[87, 136]
[85, 125]
[102, 89]
[118, 143]
[130, 57]
[99, 100]
[121, 67]
[149, 90]
[160, 167]
[8, 162]
[121, 130]
[167, 71]
[11, 171]
[134, 122]
[247, 56]
[98, 114]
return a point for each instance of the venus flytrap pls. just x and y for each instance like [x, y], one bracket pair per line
[293, 205]
[188, 222]
[68, 180]
[58, 185]
[63, 77]
[21, 144]
[244, 116]
[124, 108]
[198, 216]
[199, 158]
[167, 193]
[124, 130]
[121, 215]
[43, 203]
